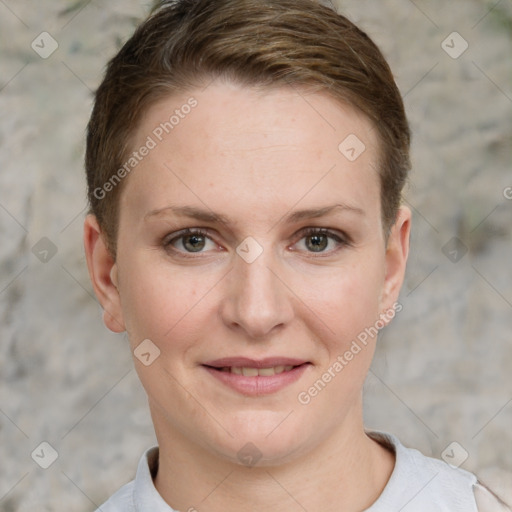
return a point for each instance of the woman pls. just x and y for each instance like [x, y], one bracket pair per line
[245, 162]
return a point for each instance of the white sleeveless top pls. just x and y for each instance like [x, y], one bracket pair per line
[417, 484]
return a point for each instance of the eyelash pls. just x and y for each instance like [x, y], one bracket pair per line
[341, 240]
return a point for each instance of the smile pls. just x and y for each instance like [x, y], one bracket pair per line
[251, 377]
[248, 371]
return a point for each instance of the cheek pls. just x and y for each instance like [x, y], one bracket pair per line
[350, 307]
[345, 299]
[158, 303]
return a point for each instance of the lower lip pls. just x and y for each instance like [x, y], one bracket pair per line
[260, 384]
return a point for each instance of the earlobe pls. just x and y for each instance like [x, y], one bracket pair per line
[397, 252]
[103, 273]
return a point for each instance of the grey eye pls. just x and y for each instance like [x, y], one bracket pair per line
[193, 243]
[317, 243]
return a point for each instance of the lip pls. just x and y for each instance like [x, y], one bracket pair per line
[255, 363]
[261, 384]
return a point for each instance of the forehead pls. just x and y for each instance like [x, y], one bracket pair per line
[261, 147]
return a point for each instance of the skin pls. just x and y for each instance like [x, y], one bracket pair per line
[255, 157]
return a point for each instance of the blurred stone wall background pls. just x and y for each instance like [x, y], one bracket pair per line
[442, 373]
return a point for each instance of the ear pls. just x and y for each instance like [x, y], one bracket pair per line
[397, 251]
[103, 274]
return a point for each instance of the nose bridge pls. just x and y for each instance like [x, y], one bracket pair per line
[257, 300]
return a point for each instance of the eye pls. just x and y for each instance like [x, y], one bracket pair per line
[321, 240]
[190, 240]
[197, 240]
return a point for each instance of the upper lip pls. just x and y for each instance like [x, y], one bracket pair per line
[246, 362]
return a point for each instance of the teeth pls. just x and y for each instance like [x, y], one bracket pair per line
[253, 372]
[269, 371]
[249, 372]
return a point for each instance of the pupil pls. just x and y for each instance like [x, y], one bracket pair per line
[194, 243]
[318, 242]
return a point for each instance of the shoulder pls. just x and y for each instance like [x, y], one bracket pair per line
[487, 501]
[121, 501]
[422, 483]
[139, 494]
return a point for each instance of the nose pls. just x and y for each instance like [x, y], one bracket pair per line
[257, 301]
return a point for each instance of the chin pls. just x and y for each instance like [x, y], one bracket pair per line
[263, 439]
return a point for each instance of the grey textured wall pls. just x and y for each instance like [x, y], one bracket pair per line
[442, 372]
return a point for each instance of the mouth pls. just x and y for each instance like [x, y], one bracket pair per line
[252, 377]
[248, 371]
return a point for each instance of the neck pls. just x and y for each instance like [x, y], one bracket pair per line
[347, 471]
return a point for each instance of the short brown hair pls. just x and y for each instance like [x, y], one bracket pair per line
[256, 43]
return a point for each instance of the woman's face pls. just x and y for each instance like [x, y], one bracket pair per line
[251, 254]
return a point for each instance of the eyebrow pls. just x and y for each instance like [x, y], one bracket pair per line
[210, 216]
